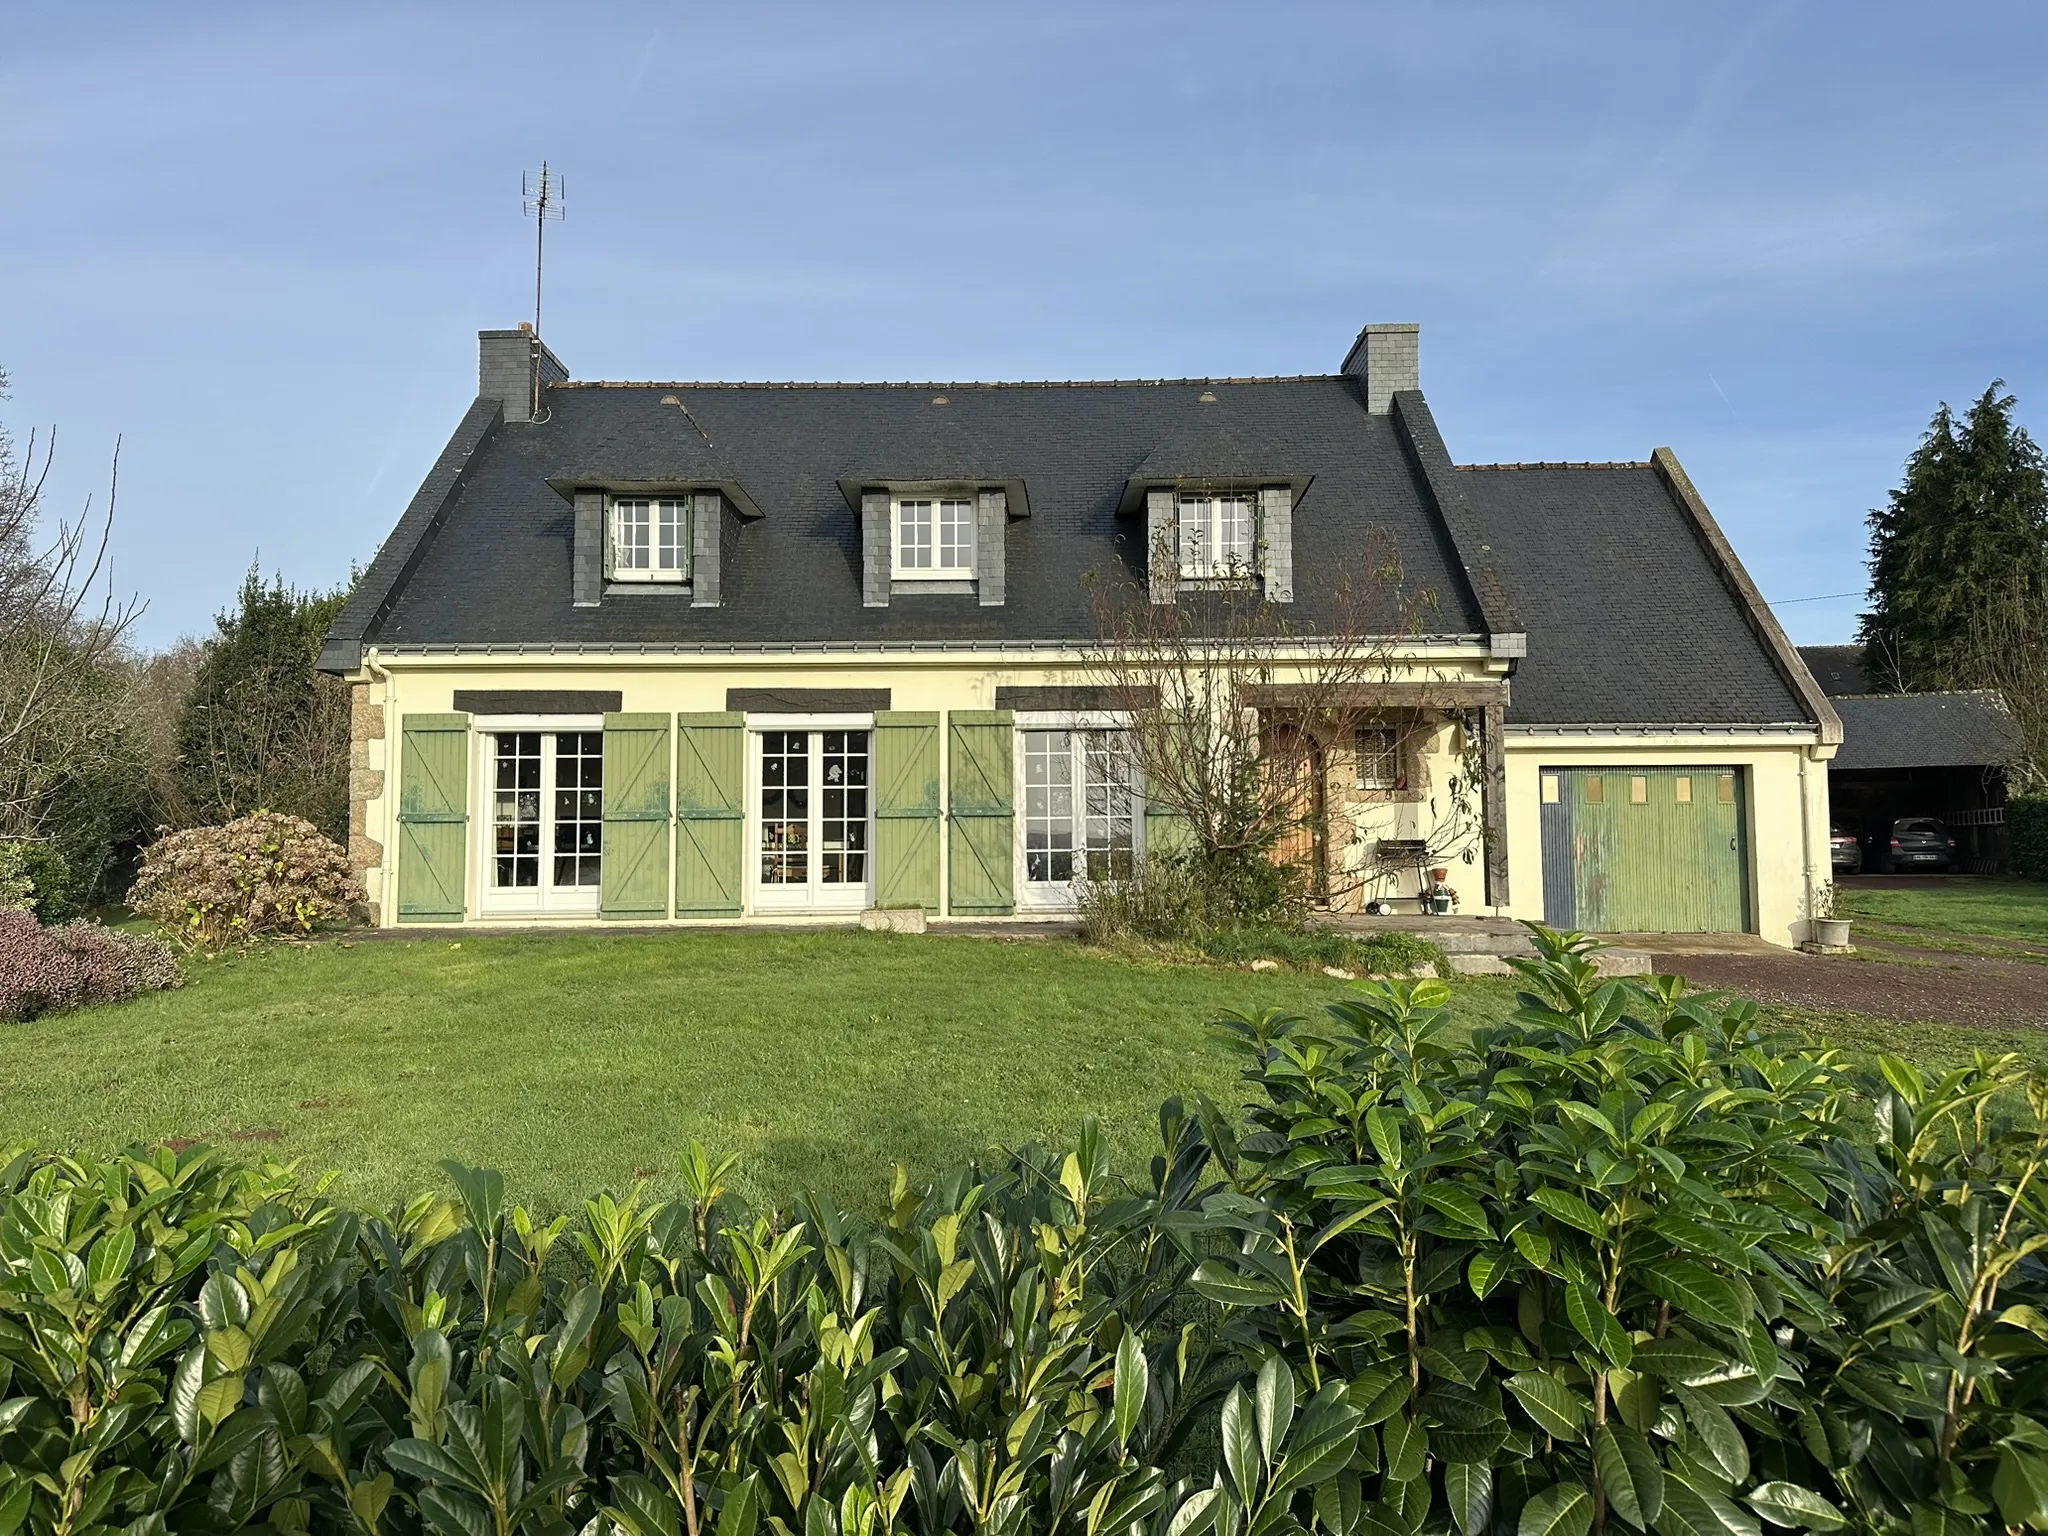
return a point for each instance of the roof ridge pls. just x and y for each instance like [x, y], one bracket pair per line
[1564, 464]
[1275, 378]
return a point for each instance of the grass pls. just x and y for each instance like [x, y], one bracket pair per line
[1955, 908]
[575, 1063]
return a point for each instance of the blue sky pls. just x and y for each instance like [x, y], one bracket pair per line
[257, 242]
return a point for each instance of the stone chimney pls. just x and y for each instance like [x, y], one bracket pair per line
[507, 362]
[1386, 358]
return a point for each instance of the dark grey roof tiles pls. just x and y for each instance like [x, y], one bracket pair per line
[497, 570]
[1629, 618]
[1925, 730]
[1838, 669]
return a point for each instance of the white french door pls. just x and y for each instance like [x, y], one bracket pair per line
[544, 808]
[813, 809]
[1079, 817]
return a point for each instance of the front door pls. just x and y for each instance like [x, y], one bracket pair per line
[546, 810]
[812, 804]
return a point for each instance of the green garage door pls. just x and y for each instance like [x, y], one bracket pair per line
[1645, 850]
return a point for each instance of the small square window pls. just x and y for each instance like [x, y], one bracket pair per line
[1550, 789]
[650, 538]
[1638, 790]
[935, 538]
[1216, 535]
[1379, 759]
[1681, 790]
[1596, 790]
[1727, 795]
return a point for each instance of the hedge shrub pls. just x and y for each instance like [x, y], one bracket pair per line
[49, 969]
[2027, 824]
[1623, 1262]
[262, 874]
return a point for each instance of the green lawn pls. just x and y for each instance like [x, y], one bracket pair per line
[2009, 909]
[580, 1062]
[575, 1062]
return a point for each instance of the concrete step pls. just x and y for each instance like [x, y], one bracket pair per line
[1608, 962]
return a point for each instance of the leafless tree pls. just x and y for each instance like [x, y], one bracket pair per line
[61, 634]
[2008, 651]
[1232, 697]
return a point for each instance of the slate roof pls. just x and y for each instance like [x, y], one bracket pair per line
[1837, 668]
[1630, 618]
[1925, 730]
[497, 570]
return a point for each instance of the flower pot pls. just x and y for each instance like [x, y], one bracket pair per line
[1440, 904]
[1439, 875]
[1831, 932]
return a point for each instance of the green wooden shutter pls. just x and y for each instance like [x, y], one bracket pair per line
[980, 860]
[711, 779]
[907, 809]
[636, 819]
[1166, 829]
[433, 818]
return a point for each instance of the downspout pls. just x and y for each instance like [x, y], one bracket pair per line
[382, 674]
[1805, 844]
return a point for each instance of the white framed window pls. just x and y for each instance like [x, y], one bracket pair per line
[1080, 818]
[1378, 750]
[934, 537]
[543, 792]
[812, 815]
[649, 539]
[1218, 535]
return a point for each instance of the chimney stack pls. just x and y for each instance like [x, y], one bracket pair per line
[1386, 358]
[507, 362]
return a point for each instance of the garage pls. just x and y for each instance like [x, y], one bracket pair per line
[1645, 850]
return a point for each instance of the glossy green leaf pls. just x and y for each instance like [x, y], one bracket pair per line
[1630, 1474]
[1562, 1509]
[1556, 1409]
[1788, 1504]
[1468, 1488]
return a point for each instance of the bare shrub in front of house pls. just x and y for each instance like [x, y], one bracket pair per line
[260, 875]
[72, 965]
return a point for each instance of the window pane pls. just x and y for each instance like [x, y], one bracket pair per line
[1379, 764]
[1234, 534]
[673, 526]
[1049, 807]
[914, 536]
[579, 809]
[842, 828]
[785, 825]
[1108, 823]
[956, 535]
[631, 546]
[515, 810]
[1195, 539]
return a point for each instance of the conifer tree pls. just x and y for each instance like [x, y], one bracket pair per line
[1959, 569]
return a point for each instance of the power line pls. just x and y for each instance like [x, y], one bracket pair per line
[1825, 597]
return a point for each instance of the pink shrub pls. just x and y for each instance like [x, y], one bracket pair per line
[260, 874]
[47, 970]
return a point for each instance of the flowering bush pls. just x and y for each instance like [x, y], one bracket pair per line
[47, 970]
[260, 874]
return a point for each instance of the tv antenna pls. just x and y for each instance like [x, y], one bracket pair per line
[542, 194]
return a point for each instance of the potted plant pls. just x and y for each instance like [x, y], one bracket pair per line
[1829, 931]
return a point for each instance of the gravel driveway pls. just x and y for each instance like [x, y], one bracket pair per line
[1944, 988]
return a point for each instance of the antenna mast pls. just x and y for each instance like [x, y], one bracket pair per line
[542, 194]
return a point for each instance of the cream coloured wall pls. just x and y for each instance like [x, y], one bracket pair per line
[1785, 811]
[403, 684]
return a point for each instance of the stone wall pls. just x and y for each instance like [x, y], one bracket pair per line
[365, 783]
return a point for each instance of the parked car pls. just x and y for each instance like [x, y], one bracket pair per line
[1845, 854]
[1919, 845]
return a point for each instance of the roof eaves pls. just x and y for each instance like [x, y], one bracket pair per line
[1283, 378]
[1763, 623]
[396, 559]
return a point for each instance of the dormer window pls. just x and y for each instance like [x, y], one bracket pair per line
[1217, 539]
[650, 539]
[934, 538]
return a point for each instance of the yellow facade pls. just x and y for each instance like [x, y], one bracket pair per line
[1784, 775]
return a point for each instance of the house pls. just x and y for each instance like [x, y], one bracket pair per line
[705, 652]
[1917, 754]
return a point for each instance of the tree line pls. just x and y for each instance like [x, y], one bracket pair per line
[104, 746]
